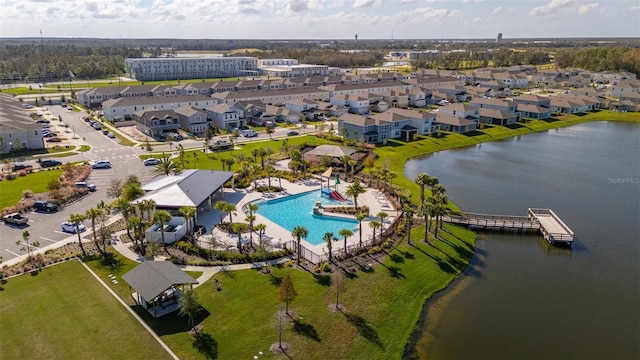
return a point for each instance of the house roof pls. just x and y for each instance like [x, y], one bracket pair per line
[331, 150]
[187, 188]
[496, 114]
[453, 120]
[151, 278]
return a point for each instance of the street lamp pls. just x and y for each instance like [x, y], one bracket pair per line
[11, 147]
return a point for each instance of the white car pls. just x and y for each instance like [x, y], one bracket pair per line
[69, 227]
[151, 161]
[101, 164]
[111, 135]
[86, 185]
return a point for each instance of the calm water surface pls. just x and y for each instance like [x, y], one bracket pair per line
[522, 298]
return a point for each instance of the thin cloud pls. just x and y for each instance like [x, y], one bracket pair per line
[365, 3]
[586, 8]
[551, 7]
[496, 10]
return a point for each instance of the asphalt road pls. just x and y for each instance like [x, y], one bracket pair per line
[45, 228]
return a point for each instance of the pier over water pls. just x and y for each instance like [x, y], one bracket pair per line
[545, 221]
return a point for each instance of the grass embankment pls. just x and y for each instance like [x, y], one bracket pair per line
[11, 190]
[64, 313]
[382, 306]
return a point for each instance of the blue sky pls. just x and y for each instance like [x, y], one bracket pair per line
[320, 19]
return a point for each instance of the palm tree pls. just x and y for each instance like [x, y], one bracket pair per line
[132, 191]
[239, 228]
[187, 213]
[375, 224]
[270, 169]
[93, 214]
[220, 206]
[251, 217]
[345, 161]
[166, 166]
[299, 232]
[345, 233]
[77, 219]
[426, 210]
[230, 209]
[146, 206]
[260, 228]
[329, 239]
[189, 306]
[160, 218]
[255, 169]
[439, 210]
[382, 216]
[408, 213]
[360, 216]
[127, 211]
[422, 180]
[354, 190]
[262, 152]
[137, 225]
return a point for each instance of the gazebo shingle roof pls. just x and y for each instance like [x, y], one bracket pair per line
[152, 278]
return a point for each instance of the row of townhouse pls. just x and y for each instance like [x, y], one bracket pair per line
[94, 97]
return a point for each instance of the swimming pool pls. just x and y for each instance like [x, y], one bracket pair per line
[297, 210]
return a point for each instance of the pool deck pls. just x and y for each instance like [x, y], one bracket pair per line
[240, 197]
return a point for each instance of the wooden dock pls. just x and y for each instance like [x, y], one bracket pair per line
[543, 220]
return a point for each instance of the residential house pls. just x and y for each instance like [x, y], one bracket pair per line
[455, 93]
[281, 113]
[461, 110]
[18, 131]
[497, 104]
[455, 123]
[123, 108]
[497, 117]
[395, 123]
[224, 116]
[251, 112]
[357, 104]
[156, 123]
[192, 119]
[397, 98]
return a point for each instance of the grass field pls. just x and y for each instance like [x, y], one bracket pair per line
[382, 306]
[11, 190]
[64, 313]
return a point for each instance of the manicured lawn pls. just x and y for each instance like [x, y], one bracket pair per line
[64, 313]
[382, 307]
[212, 160]
[11, 190]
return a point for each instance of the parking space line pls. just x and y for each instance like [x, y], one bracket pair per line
[44, 238]
[9, 251]
[60, 232]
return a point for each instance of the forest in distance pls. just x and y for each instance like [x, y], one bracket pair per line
[57, 59]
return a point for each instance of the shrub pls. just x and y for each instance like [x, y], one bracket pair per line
[323, 266]
[374, 250]
[27, 194]
[22, 173]
[10, 176]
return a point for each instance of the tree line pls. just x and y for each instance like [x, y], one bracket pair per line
[600, 58]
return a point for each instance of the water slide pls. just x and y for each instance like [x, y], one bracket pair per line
[336, 195]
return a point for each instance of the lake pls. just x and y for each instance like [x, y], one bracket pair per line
[521, 297]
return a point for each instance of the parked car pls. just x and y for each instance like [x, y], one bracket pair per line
[70, 227]
[105, 132]
[49, 163]
[16, 219]
[43, 121]
[85, 185]
[54, 139]
[48, 134]
[221, 145]
[86, 119]
[43, 205]
[101, 164]
[21, 166]
[249, 133]
[151, 161]
[111, 135]
[293, 133]
[28, 106]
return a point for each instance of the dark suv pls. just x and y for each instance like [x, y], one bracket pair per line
[43, 205]
[49, 163]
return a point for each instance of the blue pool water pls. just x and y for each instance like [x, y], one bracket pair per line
[297, 210]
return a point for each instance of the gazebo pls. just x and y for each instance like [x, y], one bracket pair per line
[158, 285]
[332, 151]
